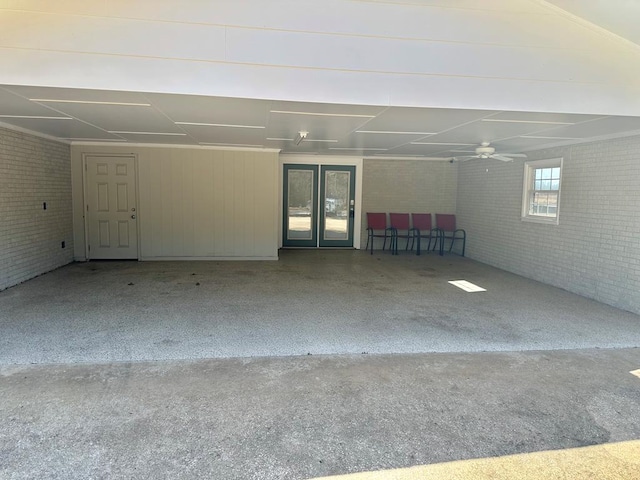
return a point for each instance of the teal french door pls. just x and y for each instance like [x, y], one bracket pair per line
[319, 205]
[300, 202]
[337, 200]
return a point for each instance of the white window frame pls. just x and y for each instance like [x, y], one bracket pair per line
[527, 190]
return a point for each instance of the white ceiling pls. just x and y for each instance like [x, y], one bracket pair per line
[449, 69]
[620, 17]
[75, 115]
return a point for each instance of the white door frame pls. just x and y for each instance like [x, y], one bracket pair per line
[325, 160]
[87, 253]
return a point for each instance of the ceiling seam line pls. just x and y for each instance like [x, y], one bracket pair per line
[311, 32]
[327, 69]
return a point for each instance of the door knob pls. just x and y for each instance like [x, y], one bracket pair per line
[133, 217]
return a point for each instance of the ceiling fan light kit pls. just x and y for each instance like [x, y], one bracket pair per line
[300, 137]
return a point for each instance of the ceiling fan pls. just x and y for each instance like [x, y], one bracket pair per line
[487, 151]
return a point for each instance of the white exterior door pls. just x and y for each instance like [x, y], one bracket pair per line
[111, 207]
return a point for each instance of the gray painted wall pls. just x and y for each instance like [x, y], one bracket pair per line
[33, 171]
[407, 186]
[595, 249]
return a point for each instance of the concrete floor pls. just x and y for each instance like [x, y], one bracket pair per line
[75, 404]
[318, 302]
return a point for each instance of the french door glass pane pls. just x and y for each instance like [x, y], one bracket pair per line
[300, 205]
[336, 205]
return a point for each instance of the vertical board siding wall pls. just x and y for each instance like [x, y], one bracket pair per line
[595, 249]
[33, 171]
[204, 203]
[199, 203]
[407, 186]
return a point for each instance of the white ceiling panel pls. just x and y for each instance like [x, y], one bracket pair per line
[328, 109]
[483, 131]
[619, 17]
[372, 54]
[428, 150]
[112, 36]
[198, 109]
[118, 117]
[12, 104]
[521, 6]
[543, 117]
[517, 144]
[520, 21]
[61, 128]
[430, 120]
[319, 127]
[596, 128]
[305, 147]
[441, 43]
[355, 151]
[377, 140]
[410, 19]
[209, 134]
[329, 86]
[74, 94]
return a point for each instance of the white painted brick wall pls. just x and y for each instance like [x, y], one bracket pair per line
[33, 170]
[595, 249]
[407, 186]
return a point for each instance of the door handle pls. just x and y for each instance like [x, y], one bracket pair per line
[133, 217]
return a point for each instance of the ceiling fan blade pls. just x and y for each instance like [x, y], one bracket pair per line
[502, 158]
[464, 158]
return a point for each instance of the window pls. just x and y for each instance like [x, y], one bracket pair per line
[541, 192]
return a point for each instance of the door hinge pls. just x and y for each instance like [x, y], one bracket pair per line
[87, 208]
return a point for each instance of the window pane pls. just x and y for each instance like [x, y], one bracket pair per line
[555, 184]
[535, 203]
[300, 187]
[546, 173]
[544, 204]
[538, 173]
[537, 185]
[556, 173]
[546, 185]
[336, 194]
